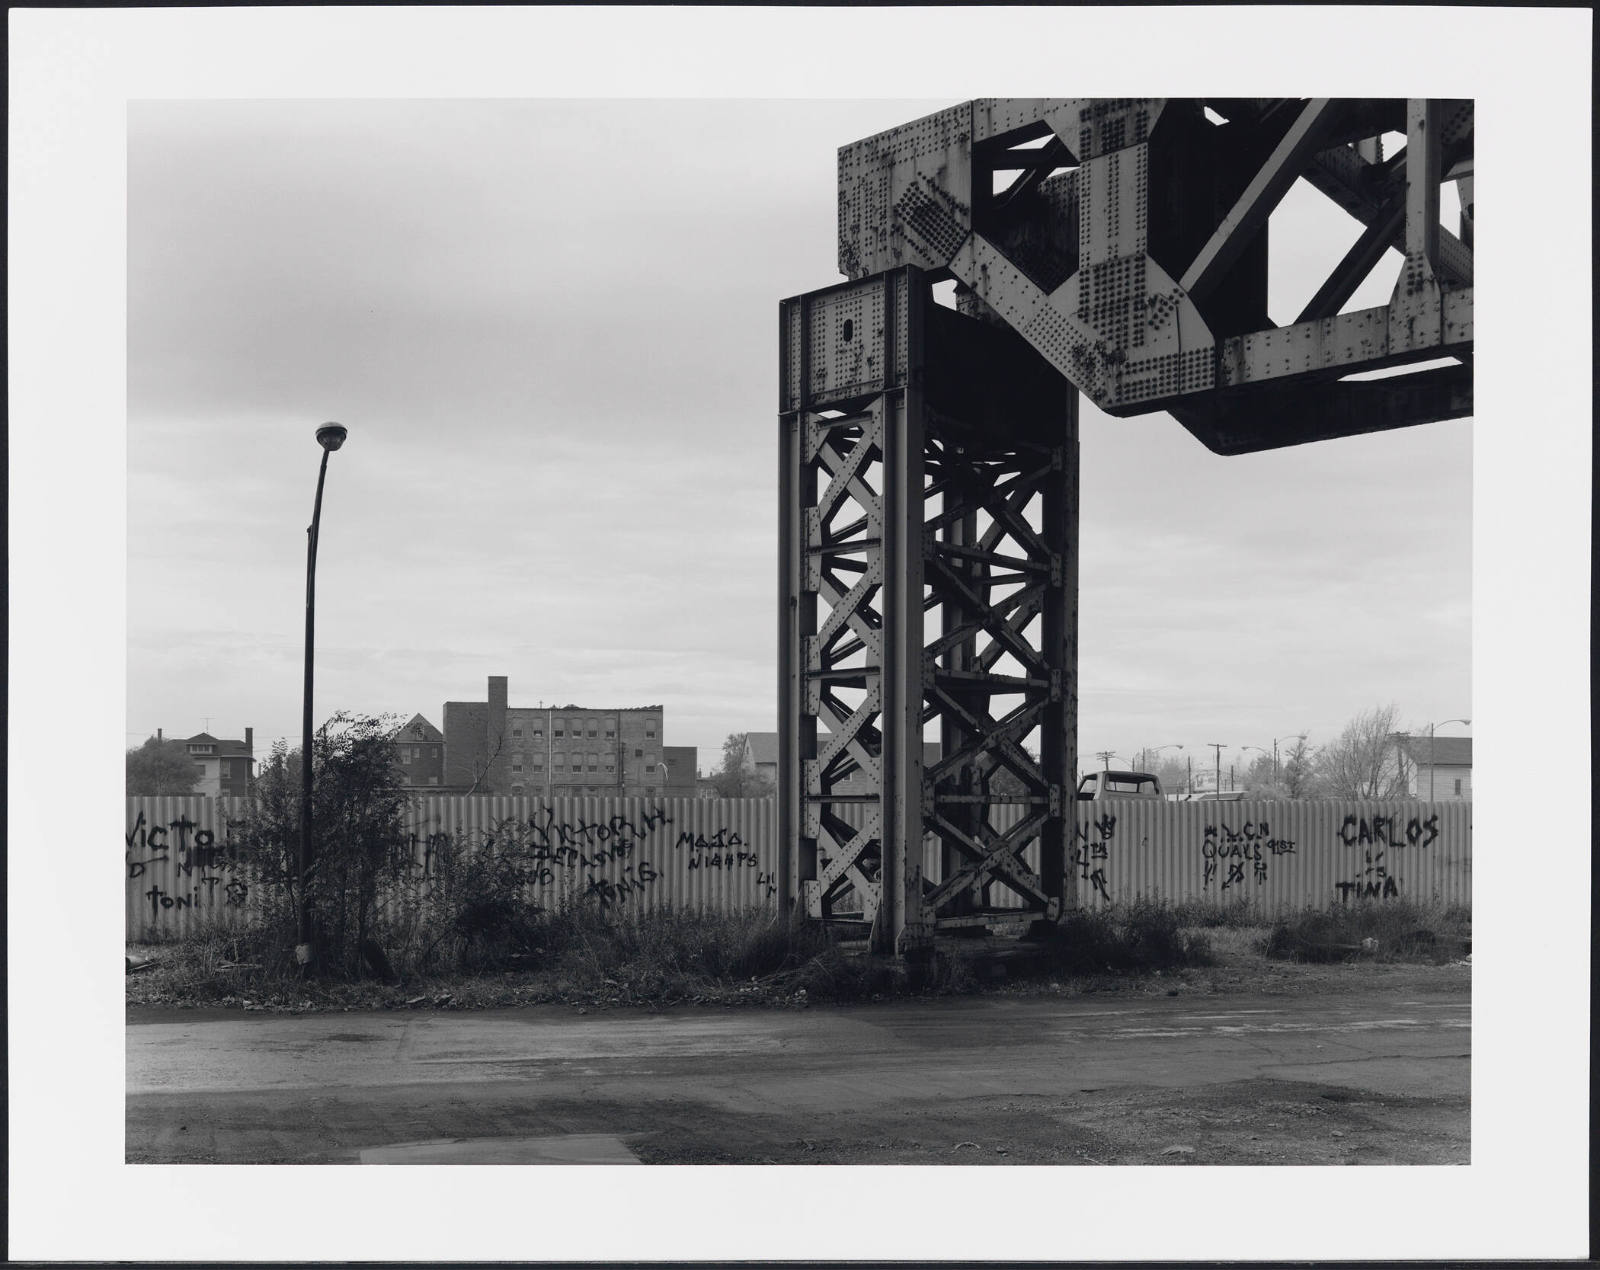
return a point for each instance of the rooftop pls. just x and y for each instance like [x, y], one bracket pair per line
[1448, 751]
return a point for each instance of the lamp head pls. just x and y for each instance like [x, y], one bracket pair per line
[330, 436]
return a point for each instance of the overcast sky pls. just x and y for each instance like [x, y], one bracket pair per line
[550, 328]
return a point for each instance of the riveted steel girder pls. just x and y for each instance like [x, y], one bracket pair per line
[928, 547]
[1126, 240]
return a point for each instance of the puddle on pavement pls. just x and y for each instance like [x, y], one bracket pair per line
[569, 1148]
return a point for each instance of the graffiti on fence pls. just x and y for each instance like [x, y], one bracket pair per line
[1249, 846]
[1373, 881]
[1091, 851]
[1380, 830]
[724, 849]
[584, 847]
[546, 842]
[195, 857]
[1376, 837]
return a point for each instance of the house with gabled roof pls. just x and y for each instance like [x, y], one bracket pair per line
[1440, 767]
[226, 768]
[419, 754]
[761, 757]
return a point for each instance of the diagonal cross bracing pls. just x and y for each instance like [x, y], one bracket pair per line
[916, 569]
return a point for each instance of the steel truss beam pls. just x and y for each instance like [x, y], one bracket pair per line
[930, 459]
[928, 535]
[1127, 241]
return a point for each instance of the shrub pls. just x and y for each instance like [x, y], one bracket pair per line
[1214, 914]
[360, 844]
[1403, 930]
[1142, 936]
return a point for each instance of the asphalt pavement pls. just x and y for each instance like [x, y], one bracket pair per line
[1241, 1078]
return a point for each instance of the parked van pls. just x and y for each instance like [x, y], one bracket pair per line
[1101, 785]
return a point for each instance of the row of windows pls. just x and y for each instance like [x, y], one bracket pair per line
[579, 756]
[580, 727]
[584, 789]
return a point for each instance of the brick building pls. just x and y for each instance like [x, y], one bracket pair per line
[419, 754]
[493, 747]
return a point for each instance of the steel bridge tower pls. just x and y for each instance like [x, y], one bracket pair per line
[929, 456]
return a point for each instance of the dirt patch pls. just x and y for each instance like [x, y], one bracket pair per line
[1247, 1122]
[1266, 1122]
[1262, 1122]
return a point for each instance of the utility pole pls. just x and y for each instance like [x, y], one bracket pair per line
[1218, 746]
[1433, 759]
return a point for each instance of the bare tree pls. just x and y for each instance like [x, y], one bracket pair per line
[481, 771]
[1364, 762]
[1297, 772]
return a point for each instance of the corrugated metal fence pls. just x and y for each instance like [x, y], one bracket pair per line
[636, 853]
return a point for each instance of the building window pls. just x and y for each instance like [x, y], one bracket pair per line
[433, 780]
[611, 734]
[611, 767]
[1458, 785]
[638, 754]
[538, 734]
[405, 755]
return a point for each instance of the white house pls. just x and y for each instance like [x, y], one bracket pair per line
[1439, 770]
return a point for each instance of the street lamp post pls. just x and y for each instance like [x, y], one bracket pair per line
[1433, 761]
[330, 436]
[1144, 755]
[1293, 736]
[1258, 750]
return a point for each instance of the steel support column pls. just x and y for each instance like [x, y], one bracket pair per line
[929, 464]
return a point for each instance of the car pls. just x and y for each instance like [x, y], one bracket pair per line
[1216, 796]
[1102, 785]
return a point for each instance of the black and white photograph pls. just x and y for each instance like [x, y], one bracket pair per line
[681, 597]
